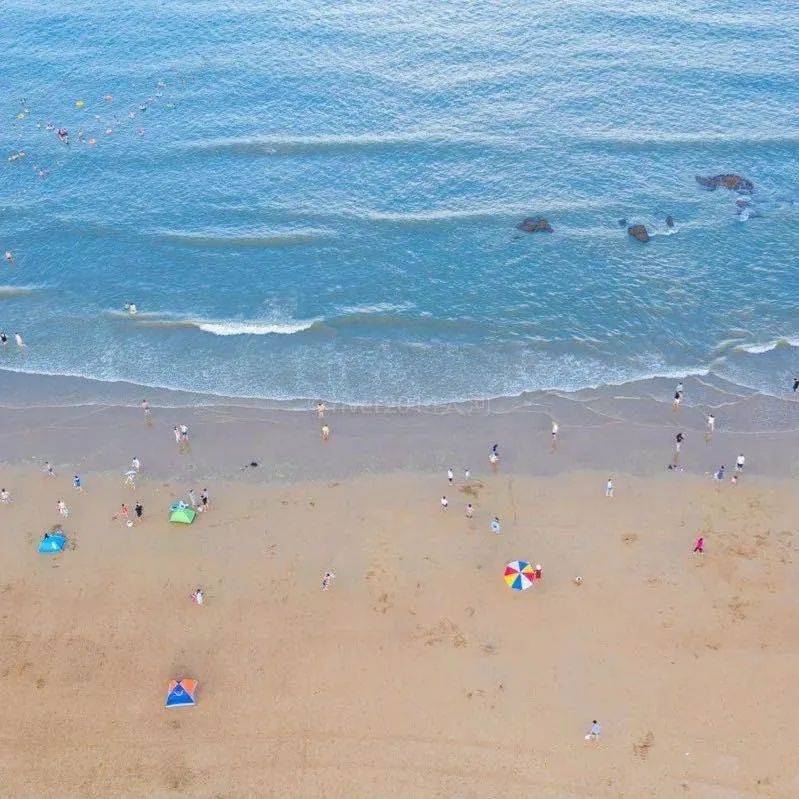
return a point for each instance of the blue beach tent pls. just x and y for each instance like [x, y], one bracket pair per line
[52, 543]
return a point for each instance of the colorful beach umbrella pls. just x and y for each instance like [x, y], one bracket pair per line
[180, 693]
[519, 575]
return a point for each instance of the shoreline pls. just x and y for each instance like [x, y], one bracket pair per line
[628, 430]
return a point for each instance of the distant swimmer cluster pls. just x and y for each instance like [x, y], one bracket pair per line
[94, 119]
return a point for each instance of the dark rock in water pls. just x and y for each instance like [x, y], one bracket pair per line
[622, 222]
[669, 221]
[535, 224]
[731, 182]
[638, 232]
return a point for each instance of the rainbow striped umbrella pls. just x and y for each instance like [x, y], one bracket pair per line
[519, 575]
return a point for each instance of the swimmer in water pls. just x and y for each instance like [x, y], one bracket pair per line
[9, 256]
[3, 339]
[18, 339]
[131, 308]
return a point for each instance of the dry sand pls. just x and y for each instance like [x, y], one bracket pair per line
[419, 673]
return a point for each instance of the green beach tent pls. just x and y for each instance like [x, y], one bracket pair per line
[181, 515]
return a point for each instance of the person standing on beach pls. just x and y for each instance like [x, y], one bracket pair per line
[496, 527]
[320, 409]
[48, 469]
[62, 508]
[450, 475]
[678, 392]
[609, 488]
[678, 439]
[325, 433]
[192, 498]
[5, 497]
[444, 503]
[555, 429]
[138, 509]
[135, 464]
[739, 463]
[467, 475]
[594, 732]
[145, 406]
[198, 597]
[184, 433]
[124, 512]
[204, 498]
[711, 427]
[469, 510]
[699, 545]
[77, 483]
[719, 475]
[177, 434]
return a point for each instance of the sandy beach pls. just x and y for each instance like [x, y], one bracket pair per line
[419, 673]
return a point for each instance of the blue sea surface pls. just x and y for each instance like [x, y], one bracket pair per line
[320, 200]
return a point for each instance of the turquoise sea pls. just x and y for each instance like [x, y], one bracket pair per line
[320, 200]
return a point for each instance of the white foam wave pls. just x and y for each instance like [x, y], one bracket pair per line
[16, 291]
[768, 346]
[254, 329]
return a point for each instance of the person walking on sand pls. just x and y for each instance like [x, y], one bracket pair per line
[204, 498]
[48, 469]
[450, 475]
[594, 732]
[184, 433]
[327, 578]
[77, 483]
[555, 429]
[493, 458]
[496, 527]
[138, 509]
[62, 508]
[5, 497]
[145, 406]
[469, 510]
[320, 409]
[678, 439]
[177, 434]
[609, 488]
[192, 498]
[467, 475]
[699, 545]
[198, 597]
[710, 427]
[739, 463]
[124, 512]
[325, 433]
[444, 503]
[135, 464]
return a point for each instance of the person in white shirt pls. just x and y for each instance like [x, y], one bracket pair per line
[450, 475]
[609, 487]
[739, 463]
[444, 503]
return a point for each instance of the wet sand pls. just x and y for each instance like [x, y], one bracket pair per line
[419, 673]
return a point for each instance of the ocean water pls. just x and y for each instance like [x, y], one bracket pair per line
[319, 200]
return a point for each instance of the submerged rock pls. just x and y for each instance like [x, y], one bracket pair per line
[535, 224]
[732, 182]
[622, 222]
[638, 232]
[669, 221]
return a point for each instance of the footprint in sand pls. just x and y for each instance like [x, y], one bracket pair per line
[642, 747]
